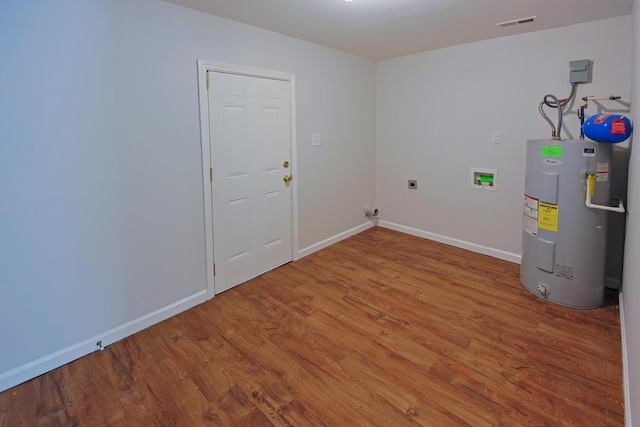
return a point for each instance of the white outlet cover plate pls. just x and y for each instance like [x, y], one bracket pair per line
[315, 139]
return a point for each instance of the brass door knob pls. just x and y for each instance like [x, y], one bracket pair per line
[287, 178]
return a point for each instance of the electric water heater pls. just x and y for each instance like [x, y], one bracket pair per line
[563, 238]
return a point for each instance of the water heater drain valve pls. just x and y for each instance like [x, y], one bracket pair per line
[542, 289]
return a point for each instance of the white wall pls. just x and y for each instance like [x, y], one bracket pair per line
[630, 296]
[437, 111]
[101, 198]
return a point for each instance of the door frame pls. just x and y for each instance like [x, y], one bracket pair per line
[203, 99]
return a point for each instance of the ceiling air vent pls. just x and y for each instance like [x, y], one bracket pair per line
[516, 21]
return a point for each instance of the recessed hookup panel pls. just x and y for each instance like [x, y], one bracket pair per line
[484, 179]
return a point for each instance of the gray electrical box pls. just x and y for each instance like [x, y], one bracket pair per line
[580, 71]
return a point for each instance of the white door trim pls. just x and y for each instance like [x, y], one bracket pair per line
[203, 67]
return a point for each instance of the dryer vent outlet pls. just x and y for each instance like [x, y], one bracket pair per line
[371, 212]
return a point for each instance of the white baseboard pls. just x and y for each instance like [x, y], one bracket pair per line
[474, 247]
[334, 239]
[54, 360]
[625, 365]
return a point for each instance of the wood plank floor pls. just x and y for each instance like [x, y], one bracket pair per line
[382, 329]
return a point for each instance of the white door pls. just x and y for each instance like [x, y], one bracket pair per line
[250, 138]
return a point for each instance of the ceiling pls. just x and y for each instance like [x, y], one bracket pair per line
[381, 29]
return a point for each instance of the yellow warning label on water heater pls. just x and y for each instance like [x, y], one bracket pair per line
[548, 216]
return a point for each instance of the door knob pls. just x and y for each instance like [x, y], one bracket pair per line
[287, 178]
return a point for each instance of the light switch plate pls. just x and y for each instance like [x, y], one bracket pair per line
[495, 137]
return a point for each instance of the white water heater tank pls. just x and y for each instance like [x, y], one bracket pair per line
[564, 241]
